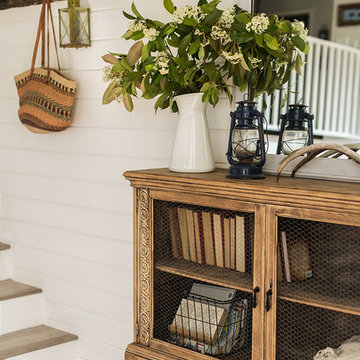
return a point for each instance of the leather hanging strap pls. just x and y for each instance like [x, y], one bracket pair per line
[45, 17]
[41, 31]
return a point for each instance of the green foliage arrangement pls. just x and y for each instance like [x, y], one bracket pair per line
[204, 49]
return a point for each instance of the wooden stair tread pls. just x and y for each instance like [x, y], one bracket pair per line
[32, 339]
[10, 289]
[4, 246]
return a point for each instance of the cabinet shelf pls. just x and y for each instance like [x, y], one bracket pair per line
[210, 274]
[316, 296]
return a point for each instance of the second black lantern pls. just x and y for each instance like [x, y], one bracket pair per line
[296, 130]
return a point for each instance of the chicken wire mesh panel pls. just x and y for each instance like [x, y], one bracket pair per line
[318, 287]
[204, 240]
[186, 317]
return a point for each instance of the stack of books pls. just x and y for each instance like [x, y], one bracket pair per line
[210, 320]
[208, 237]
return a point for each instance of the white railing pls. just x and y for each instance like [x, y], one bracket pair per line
[329, 86]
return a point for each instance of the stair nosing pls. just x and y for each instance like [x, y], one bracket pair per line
[19, 290]
[58, 337]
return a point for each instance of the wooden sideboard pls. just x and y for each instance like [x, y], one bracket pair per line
[286, 225]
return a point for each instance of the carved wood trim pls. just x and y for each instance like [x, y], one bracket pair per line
[7, 4]
[145, 251]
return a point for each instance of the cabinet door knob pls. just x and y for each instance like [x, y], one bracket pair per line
[255, 291]
[268, 298]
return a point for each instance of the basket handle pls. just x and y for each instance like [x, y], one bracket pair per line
[46, 5]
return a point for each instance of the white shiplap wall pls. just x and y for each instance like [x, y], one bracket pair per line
[66, 208]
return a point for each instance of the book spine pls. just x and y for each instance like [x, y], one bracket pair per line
[175, 234]
[184, 233]
[198, 236]
[240, 243]
[219, 256]
[285, 256]
[208, 238]
[232, 244]
[227, 242]
[191, 234]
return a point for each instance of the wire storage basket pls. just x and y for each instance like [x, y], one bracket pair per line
[206, 324]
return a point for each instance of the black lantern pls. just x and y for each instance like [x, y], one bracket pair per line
[246, 149]
[296, 130]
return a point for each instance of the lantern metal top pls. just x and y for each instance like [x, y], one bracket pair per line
[74, 26]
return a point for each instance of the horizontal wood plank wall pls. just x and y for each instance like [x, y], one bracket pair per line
[66, 209]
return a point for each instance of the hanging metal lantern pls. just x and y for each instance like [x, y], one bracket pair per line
[246, 149]
[74, 26]
[296, 130]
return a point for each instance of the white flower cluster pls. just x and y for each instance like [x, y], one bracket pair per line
[108, 75]
[192, 12]
[136, 26]
[218, 33]
[258, 24]
[299, 29]
[227, 17]
[162, 63]
[150, 34]
[254, 61]
[234, 58]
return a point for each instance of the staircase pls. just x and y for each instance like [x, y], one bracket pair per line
[22, 333]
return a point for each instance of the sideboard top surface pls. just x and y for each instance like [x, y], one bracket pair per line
[288, 191]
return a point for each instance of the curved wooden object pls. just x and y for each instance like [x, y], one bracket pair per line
[313, 151]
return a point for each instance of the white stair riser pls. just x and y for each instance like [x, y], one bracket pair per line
[58, 352]
[20, 313]
[5, 264]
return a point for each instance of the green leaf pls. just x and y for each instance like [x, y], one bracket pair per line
[284, 26]
[243, 17]
[135, 53]
[243, 38]
[211, 17]
[128, 103]
[110, 93]
[137, 35]
[169, 29]
[160, 101]
[208, 8]
[160, 44]
[299, 43]
[184, 63]
[201, 53]
[173, 73]
[145, 52]
[118, 67]
[299, 64]
[110, 59]
[259, 40]
[190, 22]
[169, 6]
[130, 17]
[125, 64]
[135, 75]
[271, 42]
[149, 60]
[135, 11]
[184, 44]
[268, 75]
[307, 48]
[194, 47]
[205, 87]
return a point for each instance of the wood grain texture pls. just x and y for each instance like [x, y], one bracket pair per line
[19, 3]
[31, 339]
[296, 192]
[10, 289]
[211, 274]
[4, 246]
